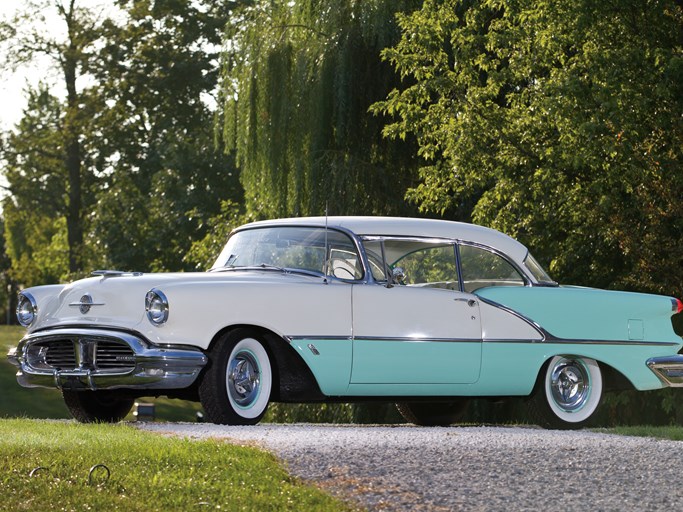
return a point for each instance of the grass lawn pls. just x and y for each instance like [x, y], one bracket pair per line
[147, 472]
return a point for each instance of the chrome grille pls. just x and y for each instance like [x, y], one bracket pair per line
[81, 353]
[113, 355]
[59, 354]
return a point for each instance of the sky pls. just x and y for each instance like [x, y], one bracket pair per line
[13, 84]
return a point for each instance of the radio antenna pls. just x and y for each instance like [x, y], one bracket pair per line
[326, 263]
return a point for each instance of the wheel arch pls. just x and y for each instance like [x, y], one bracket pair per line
[293, 380]
[613, 379]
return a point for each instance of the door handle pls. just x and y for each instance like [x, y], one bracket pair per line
[470, 302]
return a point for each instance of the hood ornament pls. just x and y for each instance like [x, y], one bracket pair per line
[85, 304]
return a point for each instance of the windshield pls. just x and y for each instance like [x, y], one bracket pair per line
[319, 250]
[537, 271]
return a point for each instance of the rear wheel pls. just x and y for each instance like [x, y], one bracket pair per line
[236, 386]
[568, 394]
[97, 406]
[433, 414]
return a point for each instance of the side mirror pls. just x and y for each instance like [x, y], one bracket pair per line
[398, 275]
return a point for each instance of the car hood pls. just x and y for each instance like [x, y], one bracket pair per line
[119, 300]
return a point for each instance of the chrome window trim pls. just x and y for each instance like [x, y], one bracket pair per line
[528, 281]
[425, 240]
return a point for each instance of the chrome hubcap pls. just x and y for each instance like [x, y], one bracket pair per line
[570, 384]
[244, 379]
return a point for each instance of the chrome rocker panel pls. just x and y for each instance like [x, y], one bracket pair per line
[669, 369]
[144, 366]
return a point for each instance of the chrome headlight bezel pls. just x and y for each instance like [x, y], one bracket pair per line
[27, 309]
[156, 307]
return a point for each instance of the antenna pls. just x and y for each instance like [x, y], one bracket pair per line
[326, 262]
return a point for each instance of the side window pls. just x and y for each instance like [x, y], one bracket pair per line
[344, 263]
[373, 250]
[430, 266]
[414, 262]
[482, 268]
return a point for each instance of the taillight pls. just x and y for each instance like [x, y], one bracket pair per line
[676, 305]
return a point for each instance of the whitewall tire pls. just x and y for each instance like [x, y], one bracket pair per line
[236, 387]
[569, 393]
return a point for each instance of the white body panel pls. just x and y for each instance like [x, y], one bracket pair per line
[202, 304]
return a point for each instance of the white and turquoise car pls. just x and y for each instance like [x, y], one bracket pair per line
[424, 313]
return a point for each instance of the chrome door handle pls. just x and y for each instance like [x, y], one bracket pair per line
[470, 302]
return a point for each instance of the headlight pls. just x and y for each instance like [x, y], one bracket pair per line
[26, 309]
[156, 305]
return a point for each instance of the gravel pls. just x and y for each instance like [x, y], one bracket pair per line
[468, 468]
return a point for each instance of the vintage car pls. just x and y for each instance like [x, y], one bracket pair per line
[424, 313]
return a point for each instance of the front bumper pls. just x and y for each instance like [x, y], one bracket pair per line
[669, 369]
[94, 359]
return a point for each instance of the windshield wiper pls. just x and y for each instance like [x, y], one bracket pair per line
[266, 266]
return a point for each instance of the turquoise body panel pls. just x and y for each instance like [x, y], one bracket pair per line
[619, 329]
[415, 362]
[331, 367]
[574, 313]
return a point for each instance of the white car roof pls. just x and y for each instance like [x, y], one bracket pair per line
[400, 226]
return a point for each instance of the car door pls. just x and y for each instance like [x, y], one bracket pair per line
[421, 329]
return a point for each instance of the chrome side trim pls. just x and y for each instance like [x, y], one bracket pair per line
[417, 339]
[550, 341]
[290, 339]
[400, 339]
[669, 369]
[149, 367]
[541, 331]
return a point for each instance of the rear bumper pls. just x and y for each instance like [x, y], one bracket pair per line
[669, 369]
[93, 359]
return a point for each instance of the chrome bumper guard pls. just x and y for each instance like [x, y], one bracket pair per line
[669, 369]
[93, 359]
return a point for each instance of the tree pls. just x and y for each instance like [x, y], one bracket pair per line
[26, 39]
[34, 214]
[297, 81]
[164, 174]
[558, 122]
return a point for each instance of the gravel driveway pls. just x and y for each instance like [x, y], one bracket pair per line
[469, 468]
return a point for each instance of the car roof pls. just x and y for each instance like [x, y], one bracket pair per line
[402, 226]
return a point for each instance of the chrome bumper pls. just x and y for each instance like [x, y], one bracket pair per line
[80, 359]
[669, 369]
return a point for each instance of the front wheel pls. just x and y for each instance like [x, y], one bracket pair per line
[568, 394]
[97, 406]
[236, 386]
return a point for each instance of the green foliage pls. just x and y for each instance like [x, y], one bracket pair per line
[148, 472]
[334, 413]
[203, 253]
[556, 122]
[35, 214]
[164, 177]
[298, 78]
